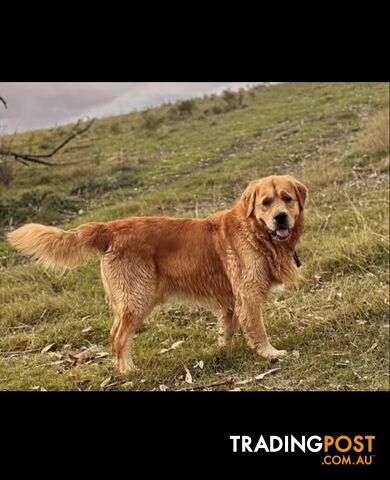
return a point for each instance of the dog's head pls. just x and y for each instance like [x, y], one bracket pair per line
[276, 202]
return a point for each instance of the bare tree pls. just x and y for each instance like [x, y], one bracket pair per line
[25, 158]
[3, 102]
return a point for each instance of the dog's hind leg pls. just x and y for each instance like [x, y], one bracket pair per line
[227, 325]
[133, 288]
[117, 321]
[109, 296]
[128, 324]
[128, 320]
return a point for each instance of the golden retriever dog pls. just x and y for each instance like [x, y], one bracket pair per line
[228, 261]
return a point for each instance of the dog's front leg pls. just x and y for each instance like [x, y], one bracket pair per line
[249, 306]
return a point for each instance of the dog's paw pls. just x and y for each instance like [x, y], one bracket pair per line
[268, 351]
[126, 366]
[225, 343]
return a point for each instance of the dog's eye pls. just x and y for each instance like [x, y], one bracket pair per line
[287, 199]
[267, 202]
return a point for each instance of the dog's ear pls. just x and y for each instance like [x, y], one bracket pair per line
[248, 198]
[302, 193]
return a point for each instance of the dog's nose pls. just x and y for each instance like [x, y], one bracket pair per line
[280, 217]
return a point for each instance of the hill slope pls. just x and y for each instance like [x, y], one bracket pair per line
[191, 159]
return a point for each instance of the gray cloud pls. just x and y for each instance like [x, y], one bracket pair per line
[46, 104]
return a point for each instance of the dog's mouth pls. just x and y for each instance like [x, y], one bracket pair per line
[281, 233]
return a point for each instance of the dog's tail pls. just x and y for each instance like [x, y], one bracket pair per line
[58, 248]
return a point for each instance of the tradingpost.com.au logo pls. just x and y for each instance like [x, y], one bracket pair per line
[336, 450]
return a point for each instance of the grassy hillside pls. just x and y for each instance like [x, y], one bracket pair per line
[191, 159]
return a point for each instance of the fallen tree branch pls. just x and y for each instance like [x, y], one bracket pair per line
[227, 381]
[324, 224]
[231, 381]
[24, 158]
[3, 102]
[19, 352]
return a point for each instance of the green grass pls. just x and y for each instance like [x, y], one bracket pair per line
[191, 160]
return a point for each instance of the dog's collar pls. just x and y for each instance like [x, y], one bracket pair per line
[297, 259]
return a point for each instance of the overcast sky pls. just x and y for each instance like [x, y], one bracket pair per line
[39, 105]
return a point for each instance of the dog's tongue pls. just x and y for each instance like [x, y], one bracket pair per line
[282, 232]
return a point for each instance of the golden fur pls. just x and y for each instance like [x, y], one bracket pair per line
[228, 261]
